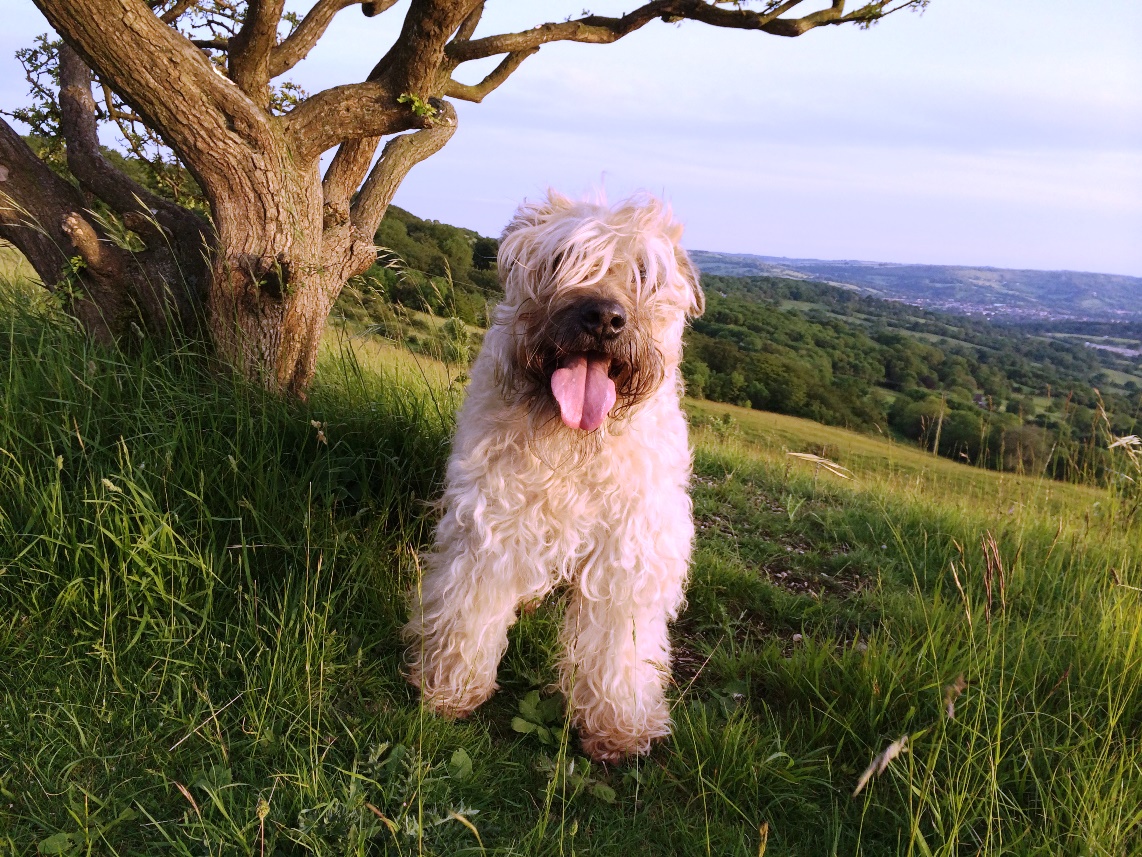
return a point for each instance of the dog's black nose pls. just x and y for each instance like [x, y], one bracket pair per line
[604, 319]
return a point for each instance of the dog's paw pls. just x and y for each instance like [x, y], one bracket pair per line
[444, 702]
[605, 748]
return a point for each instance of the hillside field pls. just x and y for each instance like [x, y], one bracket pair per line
[201, 590]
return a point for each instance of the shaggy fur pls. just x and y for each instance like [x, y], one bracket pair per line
[531, 503]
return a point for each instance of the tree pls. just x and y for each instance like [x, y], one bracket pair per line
[260, 270]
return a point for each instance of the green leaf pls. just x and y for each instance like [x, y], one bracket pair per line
[550, 710]
[529, 707]
[524, 726]
[217, 777]
[736, 688]
[460, 767]
[395, 760]
[603, 792]
[57, 843]
[419, 106]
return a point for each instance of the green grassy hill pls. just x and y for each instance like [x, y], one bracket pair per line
[201, 589]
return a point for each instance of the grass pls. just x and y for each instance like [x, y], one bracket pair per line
[15, 272]
[201, 592]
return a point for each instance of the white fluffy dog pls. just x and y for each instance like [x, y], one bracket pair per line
[570, 466]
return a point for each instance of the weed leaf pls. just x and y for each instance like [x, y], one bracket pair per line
[460, 766]
[57, 843]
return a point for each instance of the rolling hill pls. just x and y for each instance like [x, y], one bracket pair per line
[1001, 293]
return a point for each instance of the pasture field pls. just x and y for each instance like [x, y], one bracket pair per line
[201, 590]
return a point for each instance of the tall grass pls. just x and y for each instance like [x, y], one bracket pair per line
[201, 588]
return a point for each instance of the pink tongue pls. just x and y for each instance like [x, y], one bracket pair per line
[584, 391]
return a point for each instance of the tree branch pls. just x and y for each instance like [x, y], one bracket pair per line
[344, 176]
[342, 113]
[598, 29]
[43, 215]
[250, 49]
[33, 200]
[96, 174]
[477, 92]
[467, 28]
[414, 62]
[40, 214]
[400, 155]
[204, 117]
[300, 42]
[175, 12]
[216, 44]
[371, 109]
[593, 29]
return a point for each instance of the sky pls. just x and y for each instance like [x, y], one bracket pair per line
[982, 132]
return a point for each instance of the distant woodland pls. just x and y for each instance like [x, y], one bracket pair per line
[1025, 398]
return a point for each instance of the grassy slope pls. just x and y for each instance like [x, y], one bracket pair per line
[15, 272]
[200, 602]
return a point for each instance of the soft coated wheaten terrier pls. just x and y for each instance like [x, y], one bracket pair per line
[570, 466]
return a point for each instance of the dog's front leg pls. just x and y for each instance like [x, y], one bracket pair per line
[617, 651]
[457, 634]
[463, 607]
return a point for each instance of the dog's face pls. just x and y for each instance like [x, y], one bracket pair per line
[596, 300]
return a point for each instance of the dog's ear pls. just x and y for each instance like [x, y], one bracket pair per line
[688, 273]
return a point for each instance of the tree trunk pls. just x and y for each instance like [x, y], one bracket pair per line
[287, 245]
[271, 287]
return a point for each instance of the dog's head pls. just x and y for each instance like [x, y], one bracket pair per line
[596, 300]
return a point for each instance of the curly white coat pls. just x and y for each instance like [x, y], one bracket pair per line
[531, 504]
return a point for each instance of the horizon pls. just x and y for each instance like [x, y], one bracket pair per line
[916, 264]
[765, 256]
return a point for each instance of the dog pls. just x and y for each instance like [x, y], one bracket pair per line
[570, 466]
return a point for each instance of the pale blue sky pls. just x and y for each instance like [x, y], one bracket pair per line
[983, 132]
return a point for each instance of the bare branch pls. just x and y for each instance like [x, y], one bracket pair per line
[113, 112]
[344, 176]
[300, 42]
[250, 49]
[470, 23]
[502, 72]
[598, 29]
[175, 12]
[592, 29]
[215, 44]
[41, 214]
[101, 256]
[342, 113]
[414, 63]
[400, 155]
[409, 71]
[33, 201]
[94, 172]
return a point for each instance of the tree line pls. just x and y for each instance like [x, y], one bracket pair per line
[997, 396]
